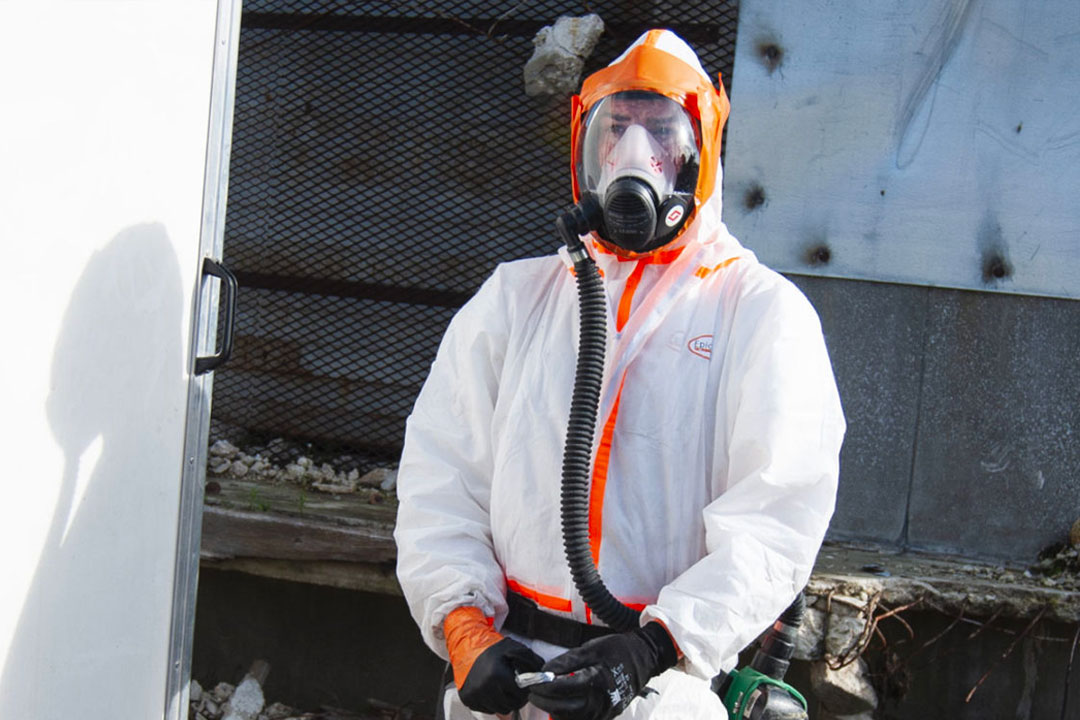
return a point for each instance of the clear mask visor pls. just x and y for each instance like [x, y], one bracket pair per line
[642, 135]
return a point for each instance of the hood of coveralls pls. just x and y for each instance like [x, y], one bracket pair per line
[660, 61]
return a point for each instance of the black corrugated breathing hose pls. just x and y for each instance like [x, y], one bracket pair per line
[778, 643]
[584, 406]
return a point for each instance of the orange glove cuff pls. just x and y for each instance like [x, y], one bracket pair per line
[468, 633]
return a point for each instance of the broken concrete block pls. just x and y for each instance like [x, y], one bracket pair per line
[382, 478]
[195, 691]
[810, 642]
[224, 448]
[844, 626]
[846, 691]
[246, 701]
[560, 53]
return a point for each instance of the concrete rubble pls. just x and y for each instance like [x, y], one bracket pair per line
[852, 588]
[829, 637]
[246, 702]
[559, 55]
[845, 690]
[247, 699]
[281, 461]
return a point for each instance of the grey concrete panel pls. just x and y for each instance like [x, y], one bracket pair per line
[875, 335]
[996, 471]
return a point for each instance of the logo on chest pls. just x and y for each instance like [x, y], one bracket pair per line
[701, 346]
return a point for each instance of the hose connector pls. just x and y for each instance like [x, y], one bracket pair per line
[577, 220]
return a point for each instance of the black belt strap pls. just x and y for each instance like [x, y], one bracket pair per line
[527, 619]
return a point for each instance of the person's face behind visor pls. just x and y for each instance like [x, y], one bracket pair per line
[667, 123]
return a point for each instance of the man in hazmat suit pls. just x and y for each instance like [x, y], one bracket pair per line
[714, 475]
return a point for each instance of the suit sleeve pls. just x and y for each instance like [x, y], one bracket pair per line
[777, 466]
[443, 530]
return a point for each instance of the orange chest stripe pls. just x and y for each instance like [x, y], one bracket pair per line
[627, 298]
[599, 480]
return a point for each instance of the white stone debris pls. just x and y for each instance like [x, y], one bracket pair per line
[560, 53]
[260, 463]
[335, 487]
[378, 477]
[846, 691]
[246, 701]
[224, 448]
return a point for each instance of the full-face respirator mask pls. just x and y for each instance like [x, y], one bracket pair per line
[637, 165]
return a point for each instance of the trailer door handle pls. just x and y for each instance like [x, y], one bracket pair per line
[228, 281]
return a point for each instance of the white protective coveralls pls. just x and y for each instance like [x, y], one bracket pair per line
[716, 462]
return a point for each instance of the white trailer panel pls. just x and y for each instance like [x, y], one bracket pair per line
[115, 115]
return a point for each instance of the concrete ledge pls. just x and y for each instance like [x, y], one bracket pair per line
[951, 585]
[285, 532]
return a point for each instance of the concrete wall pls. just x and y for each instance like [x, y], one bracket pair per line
[340, 648]
[325, 646]
[961, 408]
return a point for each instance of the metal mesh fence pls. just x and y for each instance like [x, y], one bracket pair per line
[385, 158]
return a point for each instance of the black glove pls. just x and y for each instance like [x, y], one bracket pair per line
[600, 678]
[489, 687]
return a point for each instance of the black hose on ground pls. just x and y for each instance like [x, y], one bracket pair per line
[584, 406]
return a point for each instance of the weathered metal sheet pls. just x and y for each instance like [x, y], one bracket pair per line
[934, 143]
